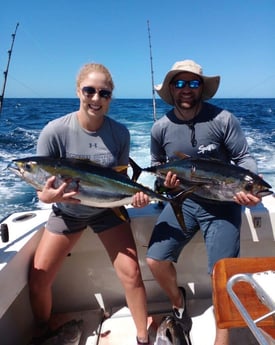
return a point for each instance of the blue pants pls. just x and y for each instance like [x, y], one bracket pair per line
[219, 222]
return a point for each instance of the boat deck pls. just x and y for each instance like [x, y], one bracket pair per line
[89, 266]
[119, 328]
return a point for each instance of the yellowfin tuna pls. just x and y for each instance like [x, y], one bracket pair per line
[97, 186]
[210, 179]
[170, 332]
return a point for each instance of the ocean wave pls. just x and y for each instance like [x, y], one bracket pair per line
[256, 117]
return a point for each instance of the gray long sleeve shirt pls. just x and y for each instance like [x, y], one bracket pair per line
[64, 137]
[213, 133]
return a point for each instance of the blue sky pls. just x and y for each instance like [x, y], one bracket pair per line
[234, 39]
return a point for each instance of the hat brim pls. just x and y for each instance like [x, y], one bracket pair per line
[210, 86]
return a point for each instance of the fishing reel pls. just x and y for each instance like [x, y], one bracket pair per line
[4, 232]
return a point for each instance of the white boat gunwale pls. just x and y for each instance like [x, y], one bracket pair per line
[92, 271]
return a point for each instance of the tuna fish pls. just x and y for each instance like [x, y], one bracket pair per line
[210, 179]
[67, 334]
[170, 332]
[97, 186]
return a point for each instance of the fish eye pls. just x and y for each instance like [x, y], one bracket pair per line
[28, 166]
[249, 186]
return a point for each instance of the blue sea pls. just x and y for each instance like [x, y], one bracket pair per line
[21, 121]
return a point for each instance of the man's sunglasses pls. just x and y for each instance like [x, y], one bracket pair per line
[90, 91]
[193, 84]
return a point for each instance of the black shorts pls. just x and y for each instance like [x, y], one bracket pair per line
[61, 223]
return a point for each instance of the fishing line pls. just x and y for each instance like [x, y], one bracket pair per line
[38, 48]
[25, 86]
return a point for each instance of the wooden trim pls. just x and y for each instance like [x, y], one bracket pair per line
[227, 315]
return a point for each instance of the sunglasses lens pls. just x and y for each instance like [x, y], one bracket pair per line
[180, 84]
[88, 90]
[194, 84]
[105, 94]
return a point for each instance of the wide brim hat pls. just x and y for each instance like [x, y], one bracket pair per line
[210, 84]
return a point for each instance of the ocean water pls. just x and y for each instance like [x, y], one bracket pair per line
[21, 121]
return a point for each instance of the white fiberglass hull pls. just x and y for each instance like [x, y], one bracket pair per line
[87, 272]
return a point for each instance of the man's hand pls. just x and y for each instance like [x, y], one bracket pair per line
[244, 199]
[171, 180]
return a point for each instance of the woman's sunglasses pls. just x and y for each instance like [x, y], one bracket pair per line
[90, 91]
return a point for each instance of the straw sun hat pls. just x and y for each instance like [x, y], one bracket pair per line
[210, 84]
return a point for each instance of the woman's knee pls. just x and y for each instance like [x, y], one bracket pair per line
[130, 275]
[39, 279]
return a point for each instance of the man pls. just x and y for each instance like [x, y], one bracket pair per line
[198, 129]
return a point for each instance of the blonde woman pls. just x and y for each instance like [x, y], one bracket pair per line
[87, 133]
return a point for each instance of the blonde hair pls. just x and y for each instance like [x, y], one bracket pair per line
[94, 67]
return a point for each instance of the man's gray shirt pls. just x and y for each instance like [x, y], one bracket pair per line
[213, 133]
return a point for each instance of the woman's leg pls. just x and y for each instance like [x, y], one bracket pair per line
[47, 260]
[120, 245]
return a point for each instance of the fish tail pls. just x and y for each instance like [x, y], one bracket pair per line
[137, 170]
[179, 215]
[176, 204]
[121, 213]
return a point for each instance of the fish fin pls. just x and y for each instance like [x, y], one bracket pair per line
[176, 204]
[136, 169]
[121, 213]
[120, 168]
[181, 155]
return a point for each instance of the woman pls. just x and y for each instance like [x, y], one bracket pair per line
[89, 134]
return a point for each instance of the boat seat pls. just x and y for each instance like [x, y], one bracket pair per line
[244, 295]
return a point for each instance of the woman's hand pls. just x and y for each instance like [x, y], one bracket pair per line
[50, 194]
[140, 199]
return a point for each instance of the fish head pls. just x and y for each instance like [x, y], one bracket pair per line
[30, 171]
[256, 186]
[69, 333]
[169, 332]
[21, 167]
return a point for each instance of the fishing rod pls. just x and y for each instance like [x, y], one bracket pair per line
[7, 69]
[152, 72]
